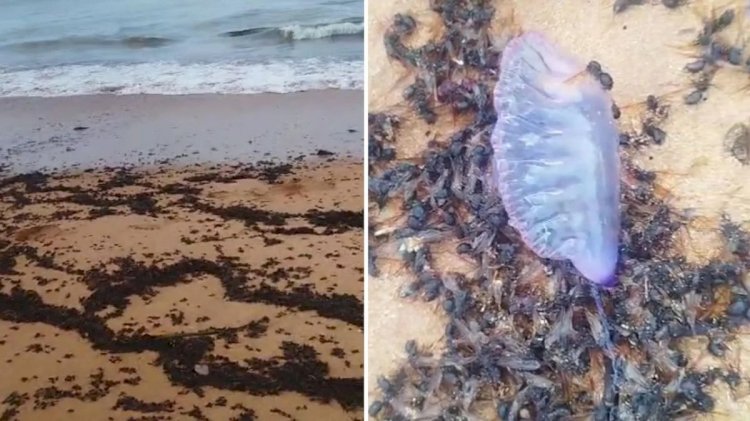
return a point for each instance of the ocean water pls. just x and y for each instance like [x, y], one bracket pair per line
[56, 47]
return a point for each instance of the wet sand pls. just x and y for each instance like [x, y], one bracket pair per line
[639, 48]
[182, 291]
[92, 130]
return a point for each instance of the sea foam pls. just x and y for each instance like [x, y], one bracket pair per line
[301, 32]
[170, 78]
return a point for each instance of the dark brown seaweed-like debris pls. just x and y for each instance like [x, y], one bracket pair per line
[188, 360]
[527, 338]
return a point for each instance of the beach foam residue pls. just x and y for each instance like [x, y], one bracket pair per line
[302, 32]
[175, 79]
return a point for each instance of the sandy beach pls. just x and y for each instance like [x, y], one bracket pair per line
[645, 49]
[91, 130]
[182, 257]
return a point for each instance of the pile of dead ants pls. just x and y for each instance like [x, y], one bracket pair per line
[187, 360]
[528, 338]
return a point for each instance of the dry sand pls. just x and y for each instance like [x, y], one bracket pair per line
[644, 49]
[146, 129]
[202, 291]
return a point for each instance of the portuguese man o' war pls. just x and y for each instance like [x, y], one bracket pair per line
[556, 162]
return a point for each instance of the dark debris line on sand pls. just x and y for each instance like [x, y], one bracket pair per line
[180, 355]
[524, 338]
[298, 369]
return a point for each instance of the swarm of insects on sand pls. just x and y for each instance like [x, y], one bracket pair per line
[465, 44]
[649, 132]
[528, 338]
[712, 51]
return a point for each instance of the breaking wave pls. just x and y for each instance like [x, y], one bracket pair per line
[300, 32]
[175, 79]
[344, 28]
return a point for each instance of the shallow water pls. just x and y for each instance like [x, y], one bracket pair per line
[51, 48]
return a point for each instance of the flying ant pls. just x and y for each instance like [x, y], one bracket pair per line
[620, 5]
[737, 142]
[381, 136]
[713, 24]
[737, 240]
[672, 4]
[402, 26]
[654, 114]
[463, 96]
[713, 52]
[419, 97]
[399, 179]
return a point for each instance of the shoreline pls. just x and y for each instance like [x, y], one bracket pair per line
[177, 256]
[164, 77]
[117, 94]
[89, 131]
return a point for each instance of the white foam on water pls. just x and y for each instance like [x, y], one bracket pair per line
[300, 32]
[176, 79]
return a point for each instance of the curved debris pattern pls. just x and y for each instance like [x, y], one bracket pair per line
[174, 274]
